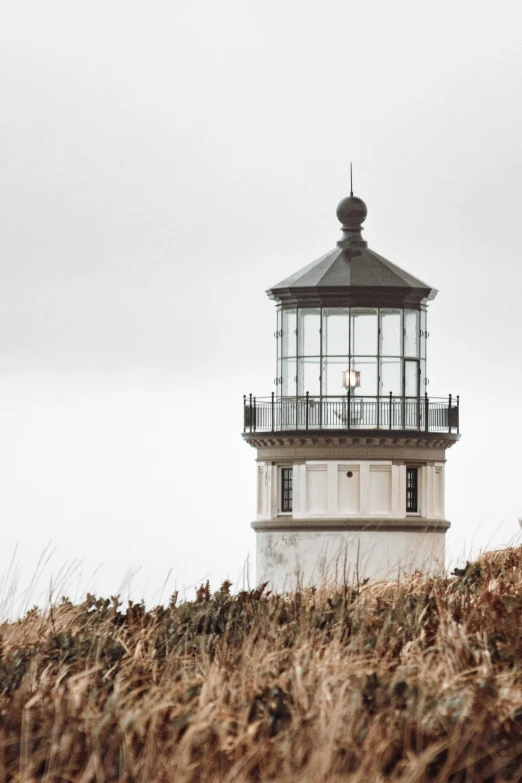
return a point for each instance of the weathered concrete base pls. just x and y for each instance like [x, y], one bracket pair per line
[290, 558]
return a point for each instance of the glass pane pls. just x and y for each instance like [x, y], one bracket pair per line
[308, 377]
[278, 333]
[289, 335]
[411, 337]
[423, 387]
[335, 332]
[289, 385]
[411, 379]
[368, 376]
[333, 370]
[423, 334]
[364, 331]
[309, 332]
[391, 380]
[391, 333]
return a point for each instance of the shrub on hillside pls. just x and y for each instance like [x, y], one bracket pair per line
[418, 680]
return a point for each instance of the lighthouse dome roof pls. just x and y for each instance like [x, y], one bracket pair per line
[352, 273]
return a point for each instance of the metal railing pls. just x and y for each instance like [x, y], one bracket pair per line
[350, 412]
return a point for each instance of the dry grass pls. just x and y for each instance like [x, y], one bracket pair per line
[415, 681]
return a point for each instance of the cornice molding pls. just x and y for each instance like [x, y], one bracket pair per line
[334, 438]
[402, 525]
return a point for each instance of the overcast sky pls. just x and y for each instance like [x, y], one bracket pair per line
[162, 164]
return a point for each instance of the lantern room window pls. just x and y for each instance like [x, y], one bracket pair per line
[364, 331]
[309, 332]
[334, 376]
[288, 378]
[411, 333]
[289, 333]
[391, 333]
[336, 331]
[366, 366]
[391, 376]
[368, 352]
[411, 378]
[309, 376]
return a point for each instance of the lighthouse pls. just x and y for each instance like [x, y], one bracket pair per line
[350, 447]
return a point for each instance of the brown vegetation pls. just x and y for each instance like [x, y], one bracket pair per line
[413, 681]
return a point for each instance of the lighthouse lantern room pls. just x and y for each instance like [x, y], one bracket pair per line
[351, 449]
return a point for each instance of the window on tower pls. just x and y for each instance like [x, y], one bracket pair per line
[286, 489]
[412, 490]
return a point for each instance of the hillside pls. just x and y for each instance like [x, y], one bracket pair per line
[420, 680]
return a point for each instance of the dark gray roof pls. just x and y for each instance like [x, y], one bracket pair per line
[352, 276]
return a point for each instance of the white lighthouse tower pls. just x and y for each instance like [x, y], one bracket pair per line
[351, 450]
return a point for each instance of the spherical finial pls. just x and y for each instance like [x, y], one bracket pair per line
[352, 212]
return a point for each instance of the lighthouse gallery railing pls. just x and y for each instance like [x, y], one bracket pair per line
[350, 412]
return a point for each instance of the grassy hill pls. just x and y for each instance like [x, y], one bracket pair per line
[413, 681]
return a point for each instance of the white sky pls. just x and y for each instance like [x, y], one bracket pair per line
[162, 164]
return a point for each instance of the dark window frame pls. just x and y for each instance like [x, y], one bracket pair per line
[286, 496]
[412, 490]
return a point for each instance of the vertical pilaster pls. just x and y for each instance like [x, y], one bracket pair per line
[331, 489]
[402, 490]
[365, 488]
[426, 495]
[300, 510]
[395, 489]
[274, 485]
[443, 491]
